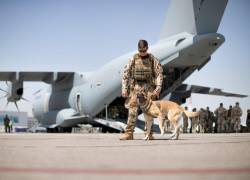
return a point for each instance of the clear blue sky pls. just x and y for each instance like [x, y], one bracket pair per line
[78, 35]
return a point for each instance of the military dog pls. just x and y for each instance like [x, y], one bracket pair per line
[165, 111]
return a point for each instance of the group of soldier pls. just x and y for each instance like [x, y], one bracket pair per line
[222, 120]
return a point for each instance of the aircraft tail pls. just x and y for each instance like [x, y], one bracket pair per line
[193, 16]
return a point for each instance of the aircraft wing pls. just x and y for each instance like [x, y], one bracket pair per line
[47, 77]
[206, 90]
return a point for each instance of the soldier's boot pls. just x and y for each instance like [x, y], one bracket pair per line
[127, 136]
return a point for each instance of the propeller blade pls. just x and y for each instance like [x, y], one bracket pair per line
[25, 99]
[3, 96]
[16, 106]
[6, 105]
[3, 90]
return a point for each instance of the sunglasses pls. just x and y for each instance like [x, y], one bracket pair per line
[142, 51]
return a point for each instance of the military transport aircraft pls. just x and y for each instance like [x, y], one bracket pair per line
[188, 39]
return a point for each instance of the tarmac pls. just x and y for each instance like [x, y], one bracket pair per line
[104, 156]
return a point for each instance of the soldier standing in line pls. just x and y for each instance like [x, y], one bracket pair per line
[202, 119]
[220, 113]
[225, 124]
[194, 123]
[185, 121]
[229, 119]
[236, 114]
[143, 74]
[209, 121]
[248, 120]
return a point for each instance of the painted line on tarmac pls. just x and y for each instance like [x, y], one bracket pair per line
[126, 171]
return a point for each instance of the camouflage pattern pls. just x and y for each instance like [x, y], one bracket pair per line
[220, 113]
[194, 123]
[229, 126]
[236, 114]
[209, 121]
[226, 123]
[134, 87]
[143, 68]
[129, 82]
[202, 119]
[185, 123]
[248, 120]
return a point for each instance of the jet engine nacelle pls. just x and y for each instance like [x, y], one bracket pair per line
[41, 104]
[15, 91]
[62, 118]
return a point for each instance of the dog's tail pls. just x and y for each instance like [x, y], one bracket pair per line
[191, 114]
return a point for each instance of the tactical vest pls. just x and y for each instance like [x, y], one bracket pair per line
[237, 111]
[143, 68]
[221, 112]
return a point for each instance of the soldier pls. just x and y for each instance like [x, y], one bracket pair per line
[143, 74]
[229, 124]
[225, 124]
[7, 123]
[248, 120]
[202, 119]
[220, 114]
[185, 121]
[194, 123]
[236, 114]
[209, 121]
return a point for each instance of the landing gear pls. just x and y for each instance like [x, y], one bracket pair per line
[59, 130]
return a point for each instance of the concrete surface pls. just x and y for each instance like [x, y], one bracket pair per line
[103, 156]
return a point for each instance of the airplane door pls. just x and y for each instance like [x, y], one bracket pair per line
[78, 103]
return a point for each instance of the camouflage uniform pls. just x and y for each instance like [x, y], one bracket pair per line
[194, 123]
[220, 113]
[185, 122]
[229, 118]
[202, 119]
[209, 121]
[141, 75]
[248, 120]
[236, 114]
